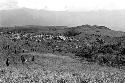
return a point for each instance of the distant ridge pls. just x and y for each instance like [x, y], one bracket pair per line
[94, 26]
[24, 16]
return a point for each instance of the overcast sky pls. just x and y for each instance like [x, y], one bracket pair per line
[64, 5]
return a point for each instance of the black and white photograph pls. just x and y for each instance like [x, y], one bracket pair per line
[62, 41]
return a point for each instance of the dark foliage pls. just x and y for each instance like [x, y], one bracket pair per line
[85, 53]
[122, 51]
[105, 50]
[121, 60]
[71, 32]
[108, 54]
[100, 41]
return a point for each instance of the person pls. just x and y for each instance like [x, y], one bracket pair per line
[23, 59]
[7, 62]
[33, 58]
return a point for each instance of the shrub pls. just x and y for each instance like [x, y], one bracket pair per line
[120, 60]
[85, 53]
[100, 41]
[105, 49]
[106, 59]
[122, 51]
[71, 32]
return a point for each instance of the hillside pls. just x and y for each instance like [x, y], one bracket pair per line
[62, 54]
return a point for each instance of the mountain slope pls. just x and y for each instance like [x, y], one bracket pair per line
[63, 18]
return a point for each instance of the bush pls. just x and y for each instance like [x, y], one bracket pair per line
[71, 32]
[85, 53]
[106, 59]
[106, 49]
[100, 41]
[121, 60]
[122, 51]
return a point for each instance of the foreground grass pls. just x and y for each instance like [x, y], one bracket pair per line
[60, 70]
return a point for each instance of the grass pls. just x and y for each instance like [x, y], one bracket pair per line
[60, 70]
[50, 68]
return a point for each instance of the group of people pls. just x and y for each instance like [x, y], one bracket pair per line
[23, 60]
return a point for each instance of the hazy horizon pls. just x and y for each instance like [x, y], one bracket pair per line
[107, 13]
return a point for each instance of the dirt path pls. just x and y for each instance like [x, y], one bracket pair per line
[49, 55]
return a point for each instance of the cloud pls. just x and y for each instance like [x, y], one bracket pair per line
[8, 4]
[73, 4]
[62, 5]
[89, 5]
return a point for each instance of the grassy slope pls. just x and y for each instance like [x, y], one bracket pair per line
[50, 68]
[59, 70]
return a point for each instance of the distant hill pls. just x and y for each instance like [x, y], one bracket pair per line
[113, 19]
[83, 30]
[99, 30]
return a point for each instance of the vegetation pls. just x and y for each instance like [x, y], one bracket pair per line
[71, 32]
[87, 46]
[110, 55]
[44, 76]
[16, 44]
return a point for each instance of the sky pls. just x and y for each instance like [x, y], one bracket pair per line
[64, 5]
